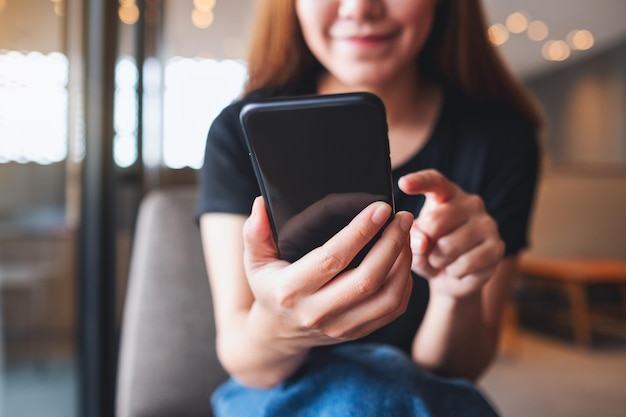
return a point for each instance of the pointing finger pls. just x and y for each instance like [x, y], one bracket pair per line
[429, 182]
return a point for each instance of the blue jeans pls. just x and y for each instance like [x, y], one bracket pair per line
[355, 380]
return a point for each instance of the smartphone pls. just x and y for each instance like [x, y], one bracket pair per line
[319, 161]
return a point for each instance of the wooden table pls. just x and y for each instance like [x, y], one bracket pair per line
[574, 275]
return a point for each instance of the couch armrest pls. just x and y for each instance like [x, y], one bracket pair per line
[168, 365]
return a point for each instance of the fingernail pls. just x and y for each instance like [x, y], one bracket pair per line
[381, 214]
[406, 222]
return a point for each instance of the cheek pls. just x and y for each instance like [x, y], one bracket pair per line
[314, 19]
[314, 14]
[419, 20]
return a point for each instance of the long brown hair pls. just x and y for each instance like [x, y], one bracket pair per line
[457, 52]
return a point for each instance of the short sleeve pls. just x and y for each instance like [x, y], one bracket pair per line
[510, 181]
[227, 183]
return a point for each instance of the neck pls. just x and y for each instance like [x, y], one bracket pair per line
[411, 104]
[404, 97]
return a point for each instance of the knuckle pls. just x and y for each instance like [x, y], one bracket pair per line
[436, 261]
[500, 248]
[330, 263]
[490, 224]
[476, 203]
[436, 215]
[337, 334]
[428, 222]
[284, 297]
[366, 285]
[462, 266]
[361, 235]
[448, 246]
[431, 173]
[392, 306]
[311, 321]
[400, 243]
[395, 303]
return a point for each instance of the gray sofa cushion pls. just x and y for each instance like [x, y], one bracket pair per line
[168, 365]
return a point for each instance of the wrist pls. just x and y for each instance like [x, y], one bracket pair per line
[255, 352]
[267, 331]
[452, 302]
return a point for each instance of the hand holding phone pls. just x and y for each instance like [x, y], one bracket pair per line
[319, 161]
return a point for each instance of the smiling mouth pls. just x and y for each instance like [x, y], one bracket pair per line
[369, 40]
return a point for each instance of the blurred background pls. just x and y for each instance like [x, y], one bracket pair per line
[102, 101]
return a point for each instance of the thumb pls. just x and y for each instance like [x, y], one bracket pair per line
[258, 240]
[420, 248]
[419, 241]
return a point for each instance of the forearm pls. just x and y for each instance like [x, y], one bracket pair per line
[454, 338]
[251, 356]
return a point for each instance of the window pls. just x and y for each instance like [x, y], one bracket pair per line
[33, 107]
[196, 90]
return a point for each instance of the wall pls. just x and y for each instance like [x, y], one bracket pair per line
[578, 215]
[227, 37]
[581, 203]
[43, 32]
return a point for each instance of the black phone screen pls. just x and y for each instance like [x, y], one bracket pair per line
[319, 161]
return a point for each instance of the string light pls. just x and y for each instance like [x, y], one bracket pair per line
[517, 22]
[555, 51]
[128, 12]
[498, 34]
[580, 39]
[59, 7]
[202, 20]
[537, 30]
[204, 5]
[202, 15]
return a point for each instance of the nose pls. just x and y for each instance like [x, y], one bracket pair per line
[361, 9]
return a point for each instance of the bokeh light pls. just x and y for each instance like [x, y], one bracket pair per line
[202, 19]
[204, 5]
[128, 13]
[555, 51]
[498, 34]
[580, 39]
[517, 22]
[537, 30]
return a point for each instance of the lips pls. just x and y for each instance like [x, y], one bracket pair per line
[367, 39]
[363, 34]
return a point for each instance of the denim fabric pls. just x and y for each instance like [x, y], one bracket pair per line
[355, 381]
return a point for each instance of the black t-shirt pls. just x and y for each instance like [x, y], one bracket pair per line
[485, 148]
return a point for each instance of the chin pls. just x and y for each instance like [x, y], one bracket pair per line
[364, 79]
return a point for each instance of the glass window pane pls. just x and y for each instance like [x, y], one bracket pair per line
[37, 316]
[204, 70]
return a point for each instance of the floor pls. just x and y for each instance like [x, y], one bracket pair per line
[44, 390]
[545, 376]
[535, 376]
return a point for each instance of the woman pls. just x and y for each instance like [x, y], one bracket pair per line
[405, 331]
